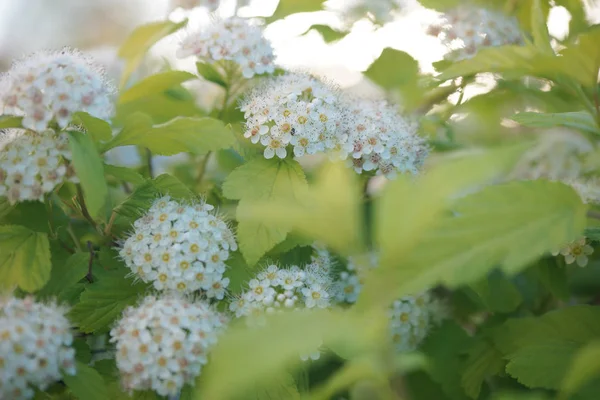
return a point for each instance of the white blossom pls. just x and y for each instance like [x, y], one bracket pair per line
[52, 85]
[211, 5]
[558, 155]
[33, 164]
[465, 30]
[35, 347]
[382, 140]
[576, 252]
[378, 11]
[180, 247]
[232, 39]
[163, 343]
[296, 111]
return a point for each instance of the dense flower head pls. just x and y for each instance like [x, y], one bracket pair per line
[52, 85]
[587, 189]
[180, 247]
[411, 317]
[33, 164]
[382, 140]
[378, 11]
[558, 155]
[163, 343]
[232, 39]
[465, 30]
[576, 252]
[298, 111]
[276, 288]
[35, 347]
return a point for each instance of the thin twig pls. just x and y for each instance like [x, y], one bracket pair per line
[202, 168]
[65, 246]
[111, 221]
[90, 247]
[149, 161]
[84, 210]
[593, 214]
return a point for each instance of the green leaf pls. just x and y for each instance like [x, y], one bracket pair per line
[65, 274]
[584, 367]
[24, 258]
[142, 197]
[328, 212]
[593, 233]
[271, 180]
[497, 293]
[287, 7]
[5, 207]
[99, 129]
[208, 72]
[542, 365]
[576, 324]
[87, 383]
[393, 68]
[327, 33]
[529, 218]
[140, 41]
[90, 171]
[153, 84]
[553, 277]
[582, 61]
[183, 134]
[103, 301]
[9, 121]
[282, 387]
[541, 38]
[483, 361]
[581, 120]
[273, 347]
[163, 107]
[124, 174]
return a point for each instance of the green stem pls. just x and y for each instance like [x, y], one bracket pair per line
[84, 210]
[74, 238]
[149, 163]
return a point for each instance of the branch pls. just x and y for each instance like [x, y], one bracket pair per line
[84, 209]
[90, 247]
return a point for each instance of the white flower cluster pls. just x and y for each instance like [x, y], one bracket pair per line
[378, 11]
[559, 155]
[277, 288]
[33, 164]
[411, 317]
[465, 30]
[587, 189]
[180, 247]
[295, 110]
[54, 85]
[576, 252]
[231, 39]
[35, 347]
[163, 343]
[382, 140]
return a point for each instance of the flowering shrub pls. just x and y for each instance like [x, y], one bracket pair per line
[433, 240]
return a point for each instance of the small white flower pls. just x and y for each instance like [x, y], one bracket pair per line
[211, 5]
[577, 251]
[35, 347]
[163, 343]
[378, 11]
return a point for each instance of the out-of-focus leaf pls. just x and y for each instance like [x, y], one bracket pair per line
[577, 120]
[209, 73]
[539, 28]
[9, 121]
[497, 293]
[393, 68]
[153, 84]
[99, 129]
[584, 367]
[140, 41]
[194, 135]
[328, 212]
[124, 174]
